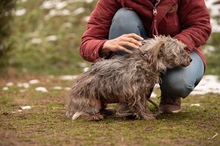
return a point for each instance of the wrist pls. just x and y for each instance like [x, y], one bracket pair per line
[104, 51]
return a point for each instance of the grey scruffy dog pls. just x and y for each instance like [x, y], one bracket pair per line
[127, 79]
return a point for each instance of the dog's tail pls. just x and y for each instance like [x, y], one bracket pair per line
[77, 115]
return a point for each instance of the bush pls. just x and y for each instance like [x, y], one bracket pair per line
[47, 36]
[6, 7]
[213, 55]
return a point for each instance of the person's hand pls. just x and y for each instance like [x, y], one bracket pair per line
[118, 44]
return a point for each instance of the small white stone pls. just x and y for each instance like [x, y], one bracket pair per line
[67, 88]
[196, 104]
[36, 40]
[17, 111]
[20, 12]
[79, 11]
[9, 84]
[41, 89]
[68, 77]
[51, 38]
[35, 81]
[5, 88]
[25, 85]
[25, 107]
[57, 88]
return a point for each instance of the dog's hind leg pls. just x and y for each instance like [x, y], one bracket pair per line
[96, 117]
[93, 110]
[84, 108]
[143, 110]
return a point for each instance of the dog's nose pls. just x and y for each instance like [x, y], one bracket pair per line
[190, 59]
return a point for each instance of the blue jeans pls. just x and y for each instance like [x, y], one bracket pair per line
[176, 82]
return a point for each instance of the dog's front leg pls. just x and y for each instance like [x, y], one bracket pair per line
[143, 111]
[137, 106]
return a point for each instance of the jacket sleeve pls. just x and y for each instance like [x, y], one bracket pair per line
[195, 20]
[97, 30]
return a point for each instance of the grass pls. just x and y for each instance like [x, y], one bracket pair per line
[45, 123]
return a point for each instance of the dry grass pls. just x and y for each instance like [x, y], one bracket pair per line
[45, 122]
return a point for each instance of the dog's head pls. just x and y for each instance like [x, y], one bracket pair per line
[173, 54]
[165, 52]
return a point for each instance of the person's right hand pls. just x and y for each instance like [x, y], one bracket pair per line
[118, 44]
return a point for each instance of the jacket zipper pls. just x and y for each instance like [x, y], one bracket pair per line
[154, 30]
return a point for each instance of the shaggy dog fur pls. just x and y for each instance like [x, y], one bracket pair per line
[127, 79]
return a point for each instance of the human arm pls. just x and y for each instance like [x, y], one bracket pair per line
[95, 43]
[195, 22]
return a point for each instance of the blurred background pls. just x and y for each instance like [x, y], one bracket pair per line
[42, 37]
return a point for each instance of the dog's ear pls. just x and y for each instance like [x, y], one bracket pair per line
[156, 49]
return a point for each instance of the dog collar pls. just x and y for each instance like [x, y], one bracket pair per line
[144, 55]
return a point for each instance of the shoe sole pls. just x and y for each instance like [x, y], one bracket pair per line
[170, 112]
[168, 109]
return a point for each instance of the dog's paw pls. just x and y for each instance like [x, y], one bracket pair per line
[148, 117]
[96, 117]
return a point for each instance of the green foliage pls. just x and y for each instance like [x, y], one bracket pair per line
[216, 3]
[213, 57]
[217, 17]
[35, 52]
[6, 7]
[46, 40]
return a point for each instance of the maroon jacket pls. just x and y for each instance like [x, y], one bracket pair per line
[185, 20]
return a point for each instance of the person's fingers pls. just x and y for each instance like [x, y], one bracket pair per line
[126, 40]
[129, 44]
[135, 42]
[124, 50]
[132, 40]
[135, 36]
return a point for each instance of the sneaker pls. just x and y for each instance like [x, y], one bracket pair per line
[170, 105]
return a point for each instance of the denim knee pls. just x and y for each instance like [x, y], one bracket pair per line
[179, 82]
[179, 87]
[126, 21]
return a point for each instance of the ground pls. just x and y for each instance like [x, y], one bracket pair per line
[43, 122]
